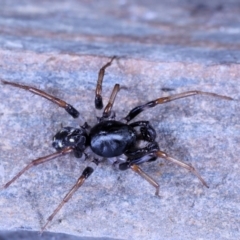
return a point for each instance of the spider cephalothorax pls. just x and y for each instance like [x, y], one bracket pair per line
[76, 138]
[109, 138]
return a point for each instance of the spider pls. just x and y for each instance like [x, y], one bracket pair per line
[109, 138]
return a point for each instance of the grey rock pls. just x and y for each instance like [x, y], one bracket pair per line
[162, 48]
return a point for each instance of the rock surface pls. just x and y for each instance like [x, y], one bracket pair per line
[163, 48]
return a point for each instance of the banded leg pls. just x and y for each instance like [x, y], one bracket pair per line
[85, 174]
[135, 111]
[108, 108]
[141, 155]
[70, 109]
[148, 133]
[37, 162]
[139, 171]
[182, 164]
[98, 91]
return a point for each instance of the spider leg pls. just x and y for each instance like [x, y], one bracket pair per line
[148, 154]
[148, 133]
[85, 174]
[98, 91]
[107, 110]
[182, 164]
[135, 111]
[139, 156]
[139, 171]
[70, 109]
[37, 162]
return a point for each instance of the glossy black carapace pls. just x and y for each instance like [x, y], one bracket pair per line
[112, 138]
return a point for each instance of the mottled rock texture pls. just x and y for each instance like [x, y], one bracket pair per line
[163, 48]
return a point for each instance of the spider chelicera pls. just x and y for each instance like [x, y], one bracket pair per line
[109, 138]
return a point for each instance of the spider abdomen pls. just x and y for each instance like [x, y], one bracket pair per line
[111, 138]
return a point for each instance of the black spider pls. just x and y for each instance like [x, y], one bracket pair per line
[108, 138]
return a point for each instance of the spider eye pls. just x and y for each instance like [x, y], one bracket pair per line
[57, 144]
[70, 137]
[59, 140]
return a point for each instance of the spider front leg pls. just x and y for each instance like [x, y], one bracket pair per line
[70, 109]
[85, 174]
[135, 111]
[37, 162]
[98, 91]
